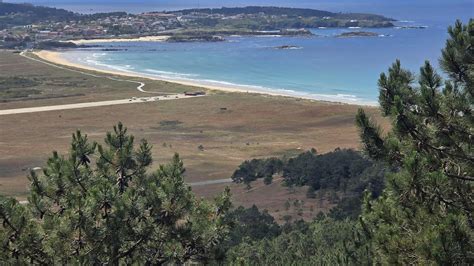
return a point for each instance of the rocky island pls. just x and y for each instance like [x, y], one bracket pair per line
[357, 34]
[195, 38]
[288, 47]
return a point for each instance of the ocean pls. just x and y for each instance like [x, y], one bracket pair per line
[321, 67]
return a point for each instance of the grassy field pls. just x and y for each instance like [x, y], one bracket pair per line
[230, 127]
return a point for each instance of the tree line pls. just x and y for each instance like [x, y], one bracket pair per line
[345, 172]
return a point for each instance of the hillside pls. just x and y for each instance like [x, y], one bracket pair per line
[260, 18]
[283, 11]
[25, 14]
[255, 18]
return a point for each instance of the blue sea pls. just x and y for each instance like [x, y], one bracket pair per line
[321, 67]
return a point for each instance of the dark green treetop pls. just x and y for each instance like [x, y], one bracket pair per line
[99, 205]
[425, 215]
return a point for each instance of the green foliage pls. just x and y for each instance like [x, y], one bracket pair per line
[24, 14]
[345, 172]
[327, 171]
[424, 216]
[268, 180]
[281, 23]
[250, 171]
[251, 224]
[246, 225]
[322, 242]
[262, 18]
[49, 45]
[283, 11]
[457, 57]
[99, 205]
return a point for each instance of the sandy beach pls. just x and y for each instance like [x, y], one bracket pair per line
[139, 39]
[56, 57]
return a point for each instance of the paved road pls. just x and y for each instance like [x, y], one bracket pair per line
[210, 182]
[95, 104]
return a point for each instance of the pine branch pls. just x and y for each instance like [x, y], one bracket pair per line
[465, 178]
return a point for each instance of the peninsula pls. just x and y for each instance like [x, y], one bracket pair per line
[25, 25]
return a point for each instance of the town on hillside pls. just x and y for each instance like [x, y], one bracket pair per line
[25, 25]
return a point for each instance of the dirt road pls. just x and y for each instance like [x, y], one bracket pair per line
[95, 104]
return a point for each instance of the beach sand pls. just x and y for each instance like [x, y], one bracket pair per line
[139, 39]
[56, 57]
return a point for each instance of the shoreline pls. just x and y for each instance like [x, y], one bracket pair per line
[134, 39]
[56, 57]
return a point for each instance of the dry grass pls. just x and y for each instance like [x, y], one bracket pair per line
[252, 126]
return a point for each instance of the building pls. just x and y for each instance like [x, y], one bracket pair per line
[194, 93]
[159, 16]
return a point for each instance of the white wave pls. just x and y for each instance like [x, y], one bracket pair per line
[161, 72]
[177, 77]
[338, 97]
[98, 55]
[268, 36]
[125, 68]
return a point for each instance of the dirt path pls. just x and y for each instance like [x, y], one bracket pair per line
[94, 104]
[140, 87]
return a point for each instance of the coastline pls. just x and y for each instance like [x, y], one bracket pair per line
[137, 39]
[56, 57]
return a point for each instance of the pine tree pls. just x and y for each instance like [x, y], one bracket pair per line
[99, 205]
[425, 215]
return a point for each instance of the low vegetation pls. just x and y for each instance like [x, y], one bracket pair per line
[195, 38]
[99, 204]
[280, 18]
[17, 87]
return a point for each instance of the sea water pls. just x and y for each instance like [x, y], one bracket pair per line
[322, 66]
